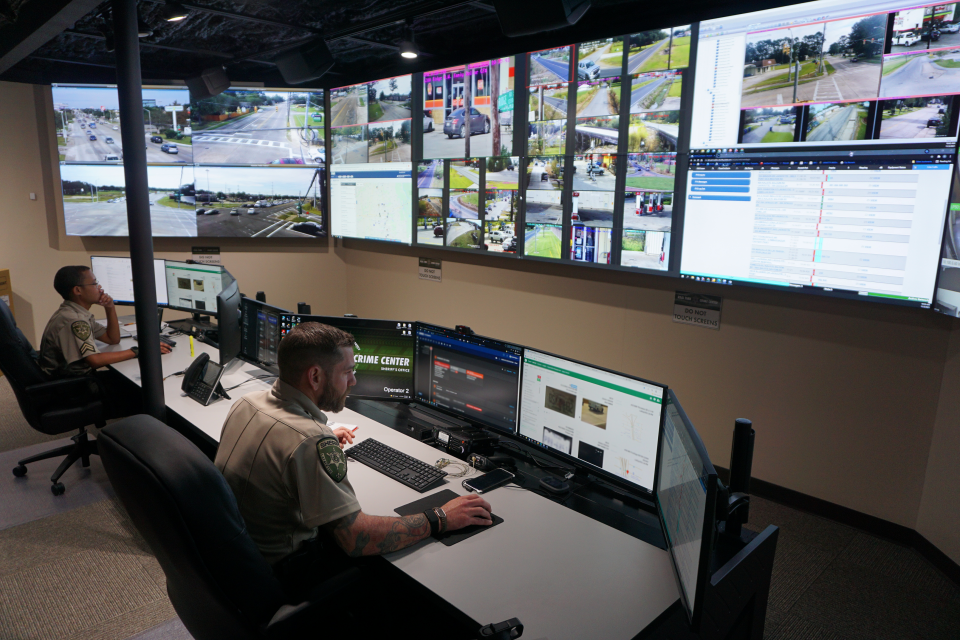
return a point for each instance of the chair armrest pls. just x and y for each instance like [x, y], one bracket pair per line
[65, 390]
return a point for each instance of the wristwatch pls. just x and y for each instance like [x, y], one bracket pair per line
[136, 351]
[443, 519]
[434, 522]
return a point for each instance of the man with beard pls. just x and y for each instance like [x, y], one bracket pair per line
[287, 470]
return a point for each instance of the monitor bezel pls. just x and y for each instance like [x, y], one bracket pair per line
[131, 303]
[360, 323]
[607, 476]
[269, 368]
[459, 416]
[205, 312]
[695, 614]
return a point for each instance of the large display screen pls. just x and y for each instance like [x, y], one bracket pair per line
[834, 72]
[474, 377]
[383, 353]
[372, 202]
[371, 121]
[604, 419]
[259, 127]
[95, 200]
[260, 202]
[486, 91]
[88, 124]
[867, 224]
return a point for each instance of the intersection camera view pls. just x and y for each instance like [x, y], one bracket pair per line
[259, 127]
[371, 122]
[260, 202]
[88, 124]
[826, 73]
[485, 91]
[95, 203]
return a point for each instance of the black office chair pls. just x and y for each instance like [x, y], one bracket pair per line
[50, 406]
[220, 585]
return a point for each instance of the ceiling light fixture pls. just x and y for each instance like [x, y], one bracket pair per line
[143, 29]
[408, 46]
[174, 12]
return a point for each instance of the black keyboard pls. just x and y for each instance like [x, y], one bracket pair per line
[405, 469]
[168, 341]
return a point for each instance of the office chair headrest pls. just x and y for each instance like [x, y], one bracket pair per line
[216, 577]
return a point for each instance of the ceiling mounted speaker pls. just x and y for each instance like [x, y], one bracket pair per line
[524, 19]
[306, 63]
[209, 83]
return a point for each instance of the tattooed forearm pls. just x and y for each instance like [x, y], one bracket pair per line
[359, 534]
[403, 531]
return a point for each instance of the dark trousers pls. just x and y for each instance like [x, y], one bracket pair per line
[121, 397]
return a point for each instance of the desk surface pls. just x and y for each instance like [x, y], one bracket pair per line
[561, 573]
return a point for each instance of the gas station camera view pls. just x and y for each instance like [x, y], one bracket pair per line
[88, 125]
[488, 97]
[259, 127]
[95, 203]
[648, 210]
[260, 202]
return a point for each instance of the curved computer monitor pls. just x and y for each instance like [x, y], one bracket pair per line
[686, 497]
[228, 319]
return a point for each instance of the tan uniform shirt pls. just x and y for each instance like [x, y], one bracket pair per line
[276, 454]
[68, 339]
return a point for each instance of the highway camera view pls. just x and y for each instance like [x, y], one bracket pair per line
[598, 97]
[261, 202]
[88, 125]
[258, 127]
[550, 66]
[659, 91]
[430, 174]
[658, 49]
[95, 204]
[600, 59]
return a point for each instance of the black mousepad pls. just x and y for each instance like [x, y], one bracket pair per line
[439, 499]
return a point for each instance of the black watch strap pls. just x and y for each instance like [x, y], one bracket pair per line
[434, 522]
[136, 351]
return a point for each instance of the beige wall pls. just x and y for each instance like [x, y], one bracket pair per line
[846, 398]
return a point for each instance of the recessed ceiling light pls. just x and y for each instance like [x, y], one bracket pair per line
[174, 12]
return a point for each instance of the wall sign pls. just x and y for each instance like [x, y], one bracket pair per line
[206, 255]
[430, 269]
[697, 308]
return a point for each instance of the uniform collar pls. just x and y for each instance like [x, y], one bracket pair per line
[288, 393]
[70, 304]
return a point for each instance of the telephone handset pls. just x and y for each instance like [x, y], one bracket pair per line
[201, 380]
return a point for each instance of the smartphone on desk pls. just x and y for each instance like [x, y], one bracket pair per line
[488, 481]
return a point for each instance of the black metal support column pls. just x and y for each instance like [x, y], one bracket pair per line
[138, 203]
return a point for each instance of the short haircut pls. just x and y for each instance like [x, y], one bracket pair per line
[67, 278]
[308, 344]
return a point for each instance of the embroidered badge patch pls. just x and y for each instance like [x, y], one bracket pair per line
[80, 329]
[332, 458]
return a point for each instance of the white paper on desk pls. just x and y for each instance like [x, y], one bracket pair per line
[334, 425]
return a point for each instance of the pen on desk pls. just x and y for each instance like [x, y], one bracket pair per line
[191, 347]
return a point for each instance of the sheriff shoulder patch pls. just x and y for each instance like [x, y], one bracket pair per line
[81, 329]
[332, 458]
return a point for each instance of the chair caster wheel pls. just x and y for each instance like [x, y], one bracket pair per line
[20, 470]
[57, 488]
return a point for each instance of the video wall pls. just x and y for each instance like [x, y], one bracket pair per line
[245, 163]
[806, 148]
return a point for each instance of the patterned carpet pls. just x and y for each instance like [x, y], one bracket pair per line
[74, 567]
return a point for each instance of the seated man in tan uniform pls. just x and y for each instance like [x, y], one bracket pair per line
[67, 347]
[287, 470]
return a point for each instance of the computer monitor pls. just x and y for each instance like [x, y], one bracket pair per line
[383, 353]
[228, 320]
[606, 421]
[260, 333]
[193, 287]
[686, 502]
[115, 275]
[470, 376]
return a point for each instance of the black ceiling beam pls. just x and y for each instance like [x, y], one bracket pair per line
[38, 23]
